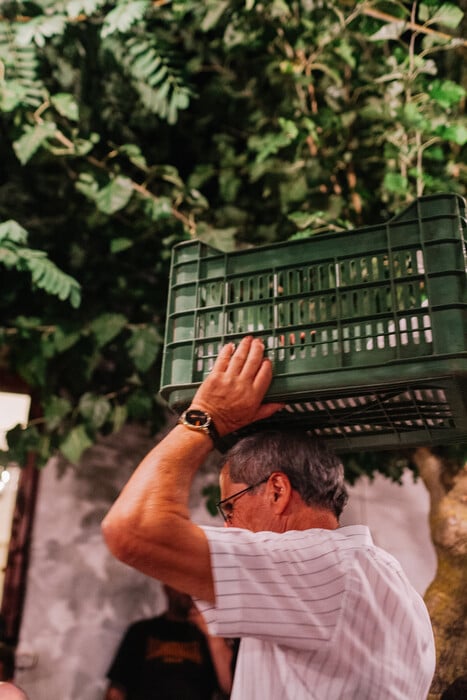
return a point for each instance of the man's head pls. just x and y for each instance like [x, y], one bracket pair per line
[284, 465]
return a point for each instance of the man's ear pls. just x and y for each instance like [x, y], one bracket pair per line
[280, 491]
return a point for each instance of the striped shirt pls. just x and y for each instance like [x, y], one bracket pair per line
[323, 615]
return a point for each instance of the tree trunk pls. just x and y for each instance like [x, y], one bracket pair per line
[446, 597]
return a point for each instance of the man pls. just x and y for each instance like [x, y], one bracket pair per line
[170, 657]
[322, 612]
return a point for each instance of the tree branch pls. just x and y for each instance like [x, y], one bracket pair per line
[422, 29]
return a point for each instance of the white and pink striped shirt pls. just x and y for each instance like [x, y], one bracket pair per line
[323, 615]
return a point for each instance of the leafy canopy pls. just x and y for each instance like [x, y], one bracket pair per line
[130, 125]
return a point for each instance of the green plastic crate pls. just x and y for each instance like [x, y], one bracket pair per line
[366, 329]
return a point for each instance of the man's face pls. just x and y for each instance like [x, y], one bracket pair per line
[249, 510]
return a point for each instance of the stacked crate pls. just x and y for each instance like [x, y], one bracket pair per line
[366, 329]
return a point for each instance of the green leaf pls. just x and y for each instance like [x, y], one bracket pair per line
[391, 30]
[134, 154]
[446, 92]
[346, 52]
[215, 10]
[39, 29]
[83, 146]
[56, 409]
[87, 7]
[46, 275]
[139, 405]
[394, 182]
[457, 133]
[106, 327]
[21, 441]
[220, 238]
[412, 116]
[448, 15]
[229, 184]
[119, 417]
[12, 231]
[75, 443]
[212, 496]
[304, 219]
[159, 208]
[272, 143]
[434, 153]
[33, 370]
[122, 17]
[32, 139]
[117, 245]
[94, 409]
[279, 9]
[115, 195]
[66, 106]
[12, 94]
[64, 339]
[27, 322]
[87, 185]
[143, 347]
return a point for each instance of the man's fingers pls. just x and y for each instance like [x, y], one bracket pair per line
[240, 356]
[223, 358]
[263, 376]
[266, 410]
[247, 359]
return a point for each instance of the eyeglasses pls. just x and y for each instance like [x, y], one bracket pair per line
[225, 507]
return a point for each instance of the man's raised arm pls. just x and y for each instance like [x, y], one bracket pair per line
[149, 526]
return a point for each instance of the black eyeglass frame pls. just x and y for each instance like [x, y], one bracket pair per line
[227, 516]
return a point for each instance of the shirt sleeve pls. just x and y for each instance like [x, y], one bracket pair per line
[284, 588]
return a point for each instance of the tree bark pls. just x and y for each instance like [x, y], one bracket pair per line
[446, 597]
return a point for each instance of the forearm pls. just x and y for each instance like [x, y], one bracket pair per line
[149, 527]
[221, 654]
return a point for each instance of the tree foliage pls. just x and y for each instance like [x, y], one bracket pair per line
[130, 125]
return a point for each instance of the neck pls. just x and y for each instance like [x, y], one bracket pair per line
[303, 517]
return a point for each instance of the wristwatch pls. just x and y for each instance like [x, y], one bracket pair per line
[195, 419]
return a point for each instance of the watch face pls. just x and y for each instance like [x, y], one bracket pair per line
[196, 418]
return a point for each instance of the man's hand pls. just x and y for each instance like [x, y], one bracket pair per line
[232, 393]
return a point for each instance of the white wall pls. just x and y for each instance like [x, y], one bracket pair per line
[398, 519]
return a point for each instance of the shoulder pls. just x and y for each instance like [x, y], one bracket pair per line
[348, 551]
[345, 539]
[293, 553]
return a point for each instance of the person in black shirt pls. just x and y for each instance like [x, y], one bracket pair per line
[171, 657]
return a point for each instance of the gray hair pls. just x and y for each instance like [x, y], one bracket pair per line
[313, 470]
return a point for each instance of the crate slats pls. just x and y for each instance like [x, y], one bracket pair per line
[367, 329]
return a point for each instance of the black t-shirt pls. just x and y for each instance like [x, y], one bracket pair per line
[160, 659]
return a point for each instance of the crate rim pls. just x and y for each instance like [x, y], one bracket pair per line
[333, 234]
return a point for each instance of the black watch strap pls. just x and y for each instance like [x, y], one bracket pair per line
[196, 419]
